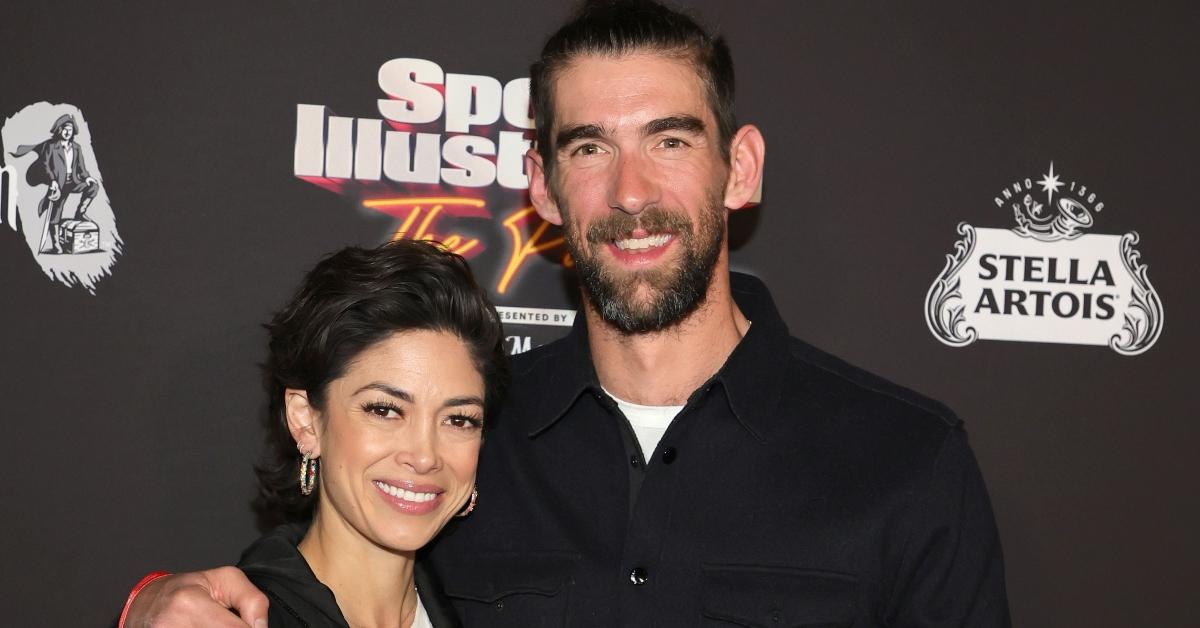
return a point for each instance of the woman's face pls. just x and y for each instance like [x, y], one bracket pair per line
[398, 438]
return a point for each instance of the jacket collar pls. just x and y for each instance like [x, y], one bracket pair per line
[277, 554]
[751, 377]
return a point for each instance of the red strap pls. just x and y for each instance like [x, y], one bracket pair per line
[137, 588]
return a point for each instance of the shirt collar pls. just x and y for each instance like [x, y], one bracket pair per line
[751, 377]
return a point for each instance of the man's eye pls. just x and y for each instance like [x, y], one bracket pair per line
[673, 142]
[588, 149]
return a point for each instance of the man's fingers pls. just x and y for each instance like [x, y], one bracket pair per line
[203, 599]
[191, 606]
[230, 587]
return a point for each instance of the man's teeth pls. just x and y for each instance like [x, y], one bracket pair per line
[637, 244]
[408, 496]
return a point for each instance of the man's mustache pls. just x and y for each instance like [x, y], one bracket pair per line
[654, 220]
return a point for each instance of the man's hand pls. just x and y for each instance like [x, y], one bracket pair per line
[90, 181]
[54, 190]
[202, 598]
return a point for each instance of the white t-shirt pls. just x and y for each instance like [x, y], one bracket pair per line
[649, 422]
[421, 619]
[68, 156]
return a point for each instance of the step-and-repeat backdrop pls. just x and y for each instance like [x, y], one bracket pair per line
[992, 203]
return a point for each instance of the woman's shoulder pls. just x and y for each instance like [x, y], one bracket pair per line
[297, 598]
[274, 564]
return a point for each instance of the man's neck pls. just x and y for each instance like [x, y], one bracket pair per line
[664, 368]
[373, 586]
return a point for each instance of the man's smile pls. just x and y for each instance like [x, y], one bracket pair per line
[644, 242]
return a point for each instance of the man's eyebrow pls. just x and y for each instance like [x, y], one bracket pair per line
[578, 132]
[687, 124]
[399, 393]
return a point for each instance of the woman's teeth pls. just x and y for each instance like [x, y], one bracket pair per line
[406, 495]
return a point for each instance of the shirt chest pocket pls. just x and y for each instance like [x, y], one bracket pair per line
[777, 597]
[527, 590]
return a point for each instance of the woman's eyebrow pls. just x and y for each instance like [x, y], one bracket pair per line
[466, 400]
[389, 389]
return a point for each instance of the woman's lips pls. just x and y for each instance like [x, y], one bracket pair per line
[409, 498]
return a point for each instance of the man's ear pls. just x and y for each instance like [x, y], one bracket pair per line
[539, 189]
[302, 420]
[746, 154]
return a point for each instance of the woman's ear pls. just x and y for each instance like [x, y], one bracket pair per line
[302, 420]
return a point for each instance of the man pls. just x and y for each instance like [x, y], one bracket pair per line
[677, 459]
[60, 165]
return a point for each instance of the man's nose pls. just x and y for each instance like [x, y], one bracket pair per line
[634, 186]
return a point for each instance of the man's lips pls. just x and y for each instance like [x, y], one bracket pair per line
[643, 243]
[409, 497]
[640, 248]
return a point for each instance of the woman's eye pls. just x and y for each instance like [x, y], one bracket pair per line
[382, 410]
[463, 422]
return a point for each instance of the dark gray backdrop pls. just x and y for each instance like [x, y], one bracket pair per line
[130, 416]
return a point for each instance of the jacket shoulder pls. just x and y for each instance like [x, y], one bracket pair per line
[538, 358]
[839, 379]
[289, 608]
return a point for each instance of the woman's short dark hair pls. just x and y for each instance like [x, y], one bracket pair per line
[350, 301]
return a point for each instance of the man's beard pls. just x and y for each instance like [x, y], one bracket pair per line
[676, 291]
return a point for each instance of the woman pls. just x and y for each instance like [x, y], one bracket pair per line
[381, 371]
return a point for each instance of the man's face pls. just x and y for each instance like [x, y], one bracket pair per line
[639, 182]
[66, 131]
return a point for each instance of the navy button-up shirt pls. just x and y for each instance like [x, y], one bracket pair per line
[791, 490]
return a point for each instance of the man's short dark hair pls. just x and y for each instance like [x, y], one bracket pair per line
[620, 27]
[350, 301]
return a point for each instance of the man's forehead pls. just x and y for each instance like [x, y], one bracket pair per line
[609, 90]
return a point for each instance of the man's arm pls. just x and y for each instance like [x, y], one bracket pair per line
[199, 599]
[81, 171]
[951, 571]
[47, 157]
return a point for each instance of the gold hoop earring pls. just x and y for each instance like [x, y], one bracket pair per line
[470, 504]
[308, 473]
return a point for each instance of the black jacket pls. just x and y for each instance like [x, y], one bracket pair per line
[299, 600]
[792, 490]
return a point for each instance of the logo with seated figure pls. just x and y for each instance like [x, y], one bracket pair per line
[52, 193]
[1046, 280]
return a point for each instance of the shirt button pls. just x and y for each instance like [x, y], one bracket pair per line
[668, 455]
[633, 462]
[638, 576]
[500, 605]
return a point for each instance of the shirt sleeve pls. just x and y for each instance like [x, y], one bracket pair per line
[951, 571]
[81, 165]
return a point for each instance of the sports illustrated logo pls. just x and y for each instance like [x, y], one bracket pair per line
[1045, 280]
[52, 193]
[444, 158]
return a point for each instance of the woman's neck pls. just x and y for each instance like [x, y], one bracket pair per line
[373, 586]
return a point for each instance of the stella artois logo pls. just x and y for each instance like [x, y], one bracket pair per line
[1046, 279]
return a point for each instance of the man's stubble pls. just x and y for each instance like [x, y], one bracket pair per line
[676, 290]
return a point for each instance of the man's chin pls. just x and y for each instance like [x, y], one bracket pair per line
[644, 308]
